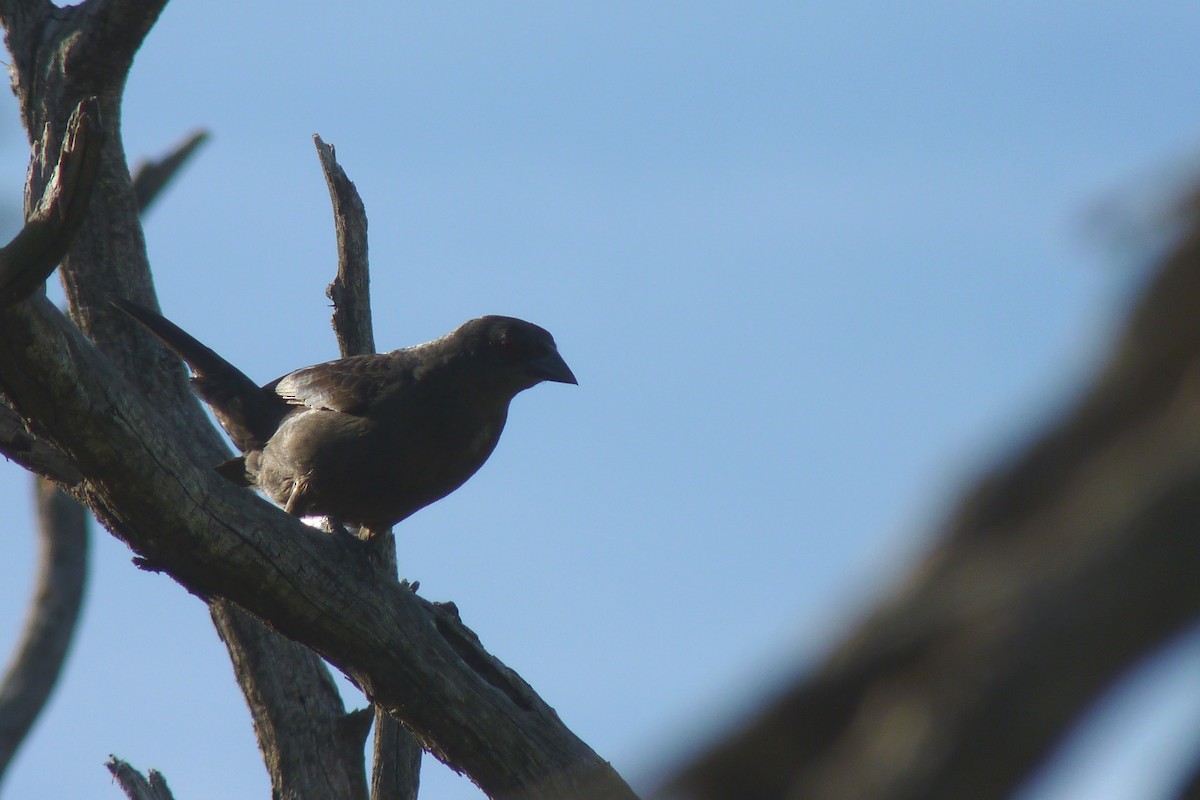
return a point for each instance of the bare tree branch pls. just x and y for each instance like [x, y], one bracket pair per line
[1055, 574]
[50, 626]
[150, 177]
[396, 760]
[350, 290]
[311, 747]
[32, 255]
[135, 785]
[396, 754]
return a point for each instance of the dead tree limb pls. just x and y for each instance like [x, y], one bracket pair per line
[35, 251]
[151, 176]
[396, 754]
[350, 291]
[137, 786]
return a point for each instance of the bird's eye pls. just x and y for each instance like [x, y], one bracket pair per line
[508, 345]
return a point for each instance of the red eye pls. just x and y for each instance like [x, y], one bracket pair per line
[508, 345]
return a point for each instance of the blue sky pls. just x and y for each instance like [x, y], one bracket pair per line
[814, 266]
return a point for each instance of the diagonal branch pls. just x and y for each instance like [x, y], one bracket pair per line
[1055, 575]
[151, 176]
[1190, 789]
[50, 626]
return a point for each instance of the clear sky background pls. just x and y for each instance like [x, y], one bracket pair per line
[815, 267]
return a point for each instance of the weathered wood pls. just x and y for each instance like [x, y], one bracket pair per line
[350, 289]
[27, 260]
[137, 786]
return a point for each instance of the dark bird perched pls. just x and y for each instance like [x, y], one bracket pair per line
[368, 440]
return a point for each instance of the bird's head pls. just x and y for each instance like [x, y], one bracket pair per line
[514, 353]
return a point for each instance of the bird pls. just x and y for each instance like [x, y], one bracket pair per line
[369, 440]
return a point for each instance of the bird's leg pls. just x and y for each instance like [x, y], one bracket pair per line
[293, 496]
[336, 527]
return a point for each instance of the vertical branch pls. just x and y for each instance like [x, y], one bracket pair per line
[50, 626]
[312, 748]
[396, 755]
[350, 291]
[35, 251]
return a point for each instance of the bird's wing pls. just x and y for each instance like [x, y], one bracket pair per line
[348, 385]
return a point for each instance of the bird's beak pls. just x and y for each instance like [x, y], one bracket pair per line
[551, 367]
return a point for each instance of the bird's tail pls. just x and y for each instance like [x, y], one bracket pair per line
[248, 414]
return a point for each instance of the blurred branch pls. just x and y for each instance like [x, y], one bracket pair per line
[135, 785]
[150, 177]
[50, 625]
[1191, 789]
[32, 255]
[1058, 572]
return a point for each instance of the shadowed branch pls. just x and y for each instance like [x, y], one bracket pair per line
[32, 255]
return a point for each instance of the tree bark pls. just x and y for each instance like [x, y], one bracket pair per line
[32, 255]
